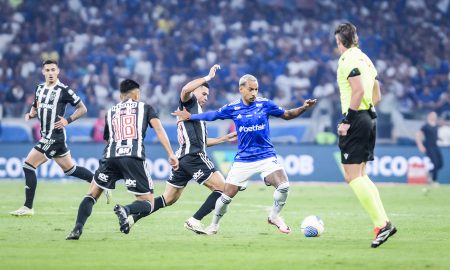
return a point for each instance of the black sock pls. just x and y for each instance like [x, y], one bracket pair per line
[30, 184]
[159, 203]
[139, 208]
[84, 211]
[81, 173]
[208, 205]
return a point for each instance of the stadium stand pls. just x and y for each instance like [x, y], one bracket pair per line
[288, 45]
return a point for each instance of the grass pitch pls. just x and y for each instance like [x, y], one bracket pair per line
[245, 240]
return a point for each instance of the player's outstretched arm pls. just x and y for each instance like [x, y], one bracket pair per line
[184, 115]
[164, 140]
[79, 112]
[294, 113]
[192, 85]
[230, 137]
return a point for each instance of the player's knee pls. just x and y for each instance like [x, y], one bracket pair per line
[28, 166]
[281, 193]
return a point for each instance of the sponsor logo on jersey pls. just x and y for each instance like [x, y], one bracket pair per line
[258, 105]
[46, 106]
[252, 128]
[123, 151]
[130, 183]
[102, 177]
[237, 108]
[239, 116]
[198, 174]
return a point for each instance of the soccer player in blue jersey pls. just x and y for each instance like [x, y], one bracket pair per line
[256, 153]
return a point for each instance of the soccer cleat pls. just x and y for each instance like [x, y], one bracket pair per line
[108, 194]
[121, 213]
[382, 234]
[74, 235]
[212, 229]
[130, 221]
[194, 225]
[280, 224]
[23, 211]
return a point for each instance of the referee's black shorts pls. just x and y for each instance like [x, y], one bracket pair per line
[358, 145]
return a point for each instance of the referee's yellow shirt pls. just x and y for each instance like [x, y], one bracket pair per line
[349, 60]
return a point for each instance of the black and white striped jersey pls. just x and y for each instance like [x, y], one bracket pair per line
[192, 135]
[51, 102]
[125, 127]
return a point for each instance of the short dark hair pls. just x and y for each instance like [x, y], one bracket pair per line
[128, 85]
[205, 84]
[347, 34]
[49, 61]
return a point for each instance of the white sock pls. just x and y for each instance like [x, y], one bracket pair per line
[221, 208]
[279, 199]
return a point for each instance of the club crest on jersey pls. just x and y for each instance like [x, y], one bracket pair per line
[52, 96]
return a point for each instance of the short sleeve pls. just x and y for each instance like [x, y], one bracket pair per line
[35, 102]
[225, 112]
[151, 113]
[273, 109]
[69, 96]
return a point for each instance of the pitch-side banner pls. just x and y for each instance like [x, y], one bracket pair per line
[302, 162]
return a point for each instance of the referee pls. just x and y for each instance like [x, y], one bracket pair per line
[359, 91]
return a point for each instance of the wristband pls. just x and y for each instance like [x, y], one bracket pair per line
[207, 78]
[349, 116]
[69, 120]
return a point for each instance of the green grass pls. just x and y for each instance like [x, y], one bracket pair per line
[245, 241]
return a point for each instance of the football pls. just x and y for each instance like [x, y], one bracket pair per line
[312, 226]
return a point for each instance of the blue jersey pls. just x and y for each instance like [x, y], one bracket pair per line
[252, 126]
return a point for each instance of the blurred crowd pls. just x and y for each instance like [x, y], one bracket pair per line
[288, 45]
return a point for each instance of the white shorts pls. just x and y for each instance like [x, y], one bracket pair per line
[240, 172]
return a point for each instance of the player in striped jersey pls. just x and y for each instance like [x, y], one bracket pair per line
[256, 153]
[124, 158]
[194, 162]
[49, 106]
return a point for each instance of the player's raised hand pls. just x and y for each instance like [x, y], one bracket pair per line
[183, 115]
[213, 70]
[309, 103]
[61, 123]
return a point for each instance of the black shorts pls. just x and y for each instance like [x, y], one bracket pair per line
[132, 170]
[50, 148]
[358, 145]
[197, 167]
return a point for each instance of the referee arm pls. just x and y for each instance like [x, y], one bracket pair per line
[376, 94]
[357, 92]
